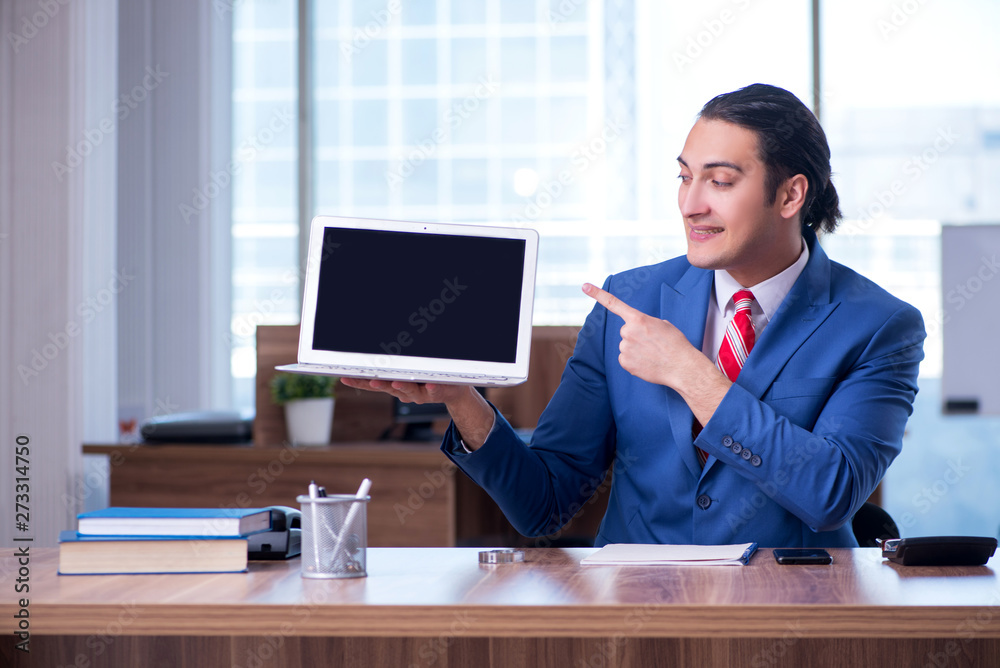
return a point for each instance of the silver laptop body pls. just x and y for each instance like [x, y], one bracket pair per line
[421, 302]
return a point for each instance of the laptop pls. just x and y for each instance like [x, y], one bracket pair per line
[420, 302]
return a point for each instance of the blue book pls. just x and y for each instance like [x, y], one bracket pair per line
[107, 555]
[213, 522]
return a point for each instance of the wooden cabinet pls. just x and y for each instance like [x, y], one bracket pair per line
[419, 498]
[412, 496]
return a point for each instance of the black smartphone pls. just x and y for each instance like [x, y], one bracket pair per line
[802, 555]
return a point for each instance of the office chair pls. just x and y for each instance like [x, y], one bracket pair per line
[871, 522]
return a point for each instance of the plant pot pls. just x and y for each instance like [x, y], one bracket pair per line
[309, 421]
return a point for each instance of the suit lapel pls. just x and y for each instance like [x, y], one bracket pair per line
[685, 305]
[804, 309]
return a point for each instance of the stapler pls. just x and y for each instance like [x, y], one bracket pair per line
[283, 541]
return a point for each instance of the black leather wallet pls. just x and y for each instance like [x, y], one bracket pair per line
[939, 550]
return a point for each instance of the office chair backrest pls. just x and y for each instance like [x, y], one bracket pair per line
[871, 522]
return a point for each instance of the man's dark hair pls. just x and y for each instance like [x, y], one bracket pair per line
[790, 141]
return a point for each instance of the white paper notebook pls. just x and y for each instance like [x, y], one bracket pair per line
[675, 555]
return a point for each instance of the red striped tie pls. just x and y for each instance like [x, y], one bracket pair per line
[736, 345]
[739, 337]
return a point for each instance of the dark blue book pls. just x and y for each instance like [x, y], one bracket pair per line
[213, 522]
[107, 555]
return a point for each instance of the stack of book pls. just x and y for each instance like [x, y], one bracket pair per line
[160, 540]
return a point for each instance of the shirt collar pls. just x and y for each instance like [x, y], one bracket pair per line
[769, 293]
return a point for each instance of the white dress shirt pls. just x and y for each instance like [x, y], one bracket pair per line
[768, 296]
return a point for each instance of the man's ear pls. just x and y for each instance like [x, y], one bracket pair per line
[792, 195]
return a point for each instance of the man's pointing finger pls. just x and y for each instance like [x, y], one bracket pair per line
[610, 302]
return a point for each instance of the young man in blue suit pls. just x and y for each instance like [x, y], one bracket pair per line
[825, 364]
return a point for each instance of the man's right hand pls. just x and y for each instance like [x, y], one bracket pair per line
[473, 416]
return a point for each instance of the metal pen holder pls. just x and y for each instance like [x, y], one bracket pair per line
[334, 536]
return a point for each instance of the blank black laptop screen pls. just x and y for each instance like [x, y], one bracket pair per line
[423, 295]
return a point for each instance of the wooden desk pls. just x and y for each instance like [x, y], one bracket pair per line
[438, 606]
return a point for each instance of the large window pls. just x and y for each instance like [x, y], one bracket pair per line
[911, 106]
[566, 115]
[913, 119]
[265, 211]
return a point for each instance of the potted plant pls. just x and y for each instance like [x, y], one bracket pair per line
[308, 400]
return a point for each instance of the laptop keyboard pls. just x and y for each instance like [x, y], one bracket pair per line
[374, 373]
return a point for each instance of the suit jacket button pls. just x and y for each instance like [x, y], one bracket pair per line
[704, 501]
[727, 441]
[755, 460]
[736, 447]
[746, 454]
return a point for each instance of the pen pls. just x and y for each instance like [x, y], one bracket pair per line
[313, 495]
[366, 485]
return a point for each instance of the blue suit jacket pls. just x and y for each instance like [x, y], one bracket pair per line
[797, 445]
